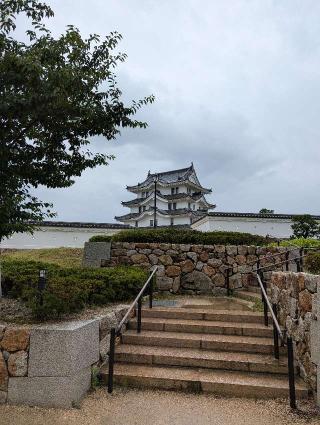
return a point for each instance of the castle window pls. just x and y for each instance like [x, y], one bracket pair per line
[144, 208]
[171, 221]
[172, 191]
[136, 224]
[189, 205]
[143, 194]
[174, 205]
[151, 223]
[177, 190]
[193, 206]
[169, 206]
[140, 209]
[147, 194]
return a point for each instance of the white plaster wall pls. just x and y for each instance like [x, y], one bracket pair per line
[52, 237]
[279, 228]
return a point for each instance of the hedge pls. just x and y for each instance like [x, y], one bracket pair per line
[101, 238]
[300, 242]
[312, 262]
[69, 290]
[171, 235]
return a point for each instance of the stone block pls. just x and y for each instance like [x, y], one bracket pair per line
[96, 252]
[63, 349]
[3, 397]
[18, 363]
[53, 391]
[3, 374]
[15, 339]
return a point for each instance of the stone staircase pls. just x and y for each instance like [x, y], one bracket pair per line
[251, 293]
[192, 349]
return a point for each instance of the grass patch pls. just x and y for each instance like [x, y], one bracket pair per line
[64, 257]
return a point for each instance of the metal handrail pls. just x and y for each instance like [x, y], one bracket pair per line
[126, 316]
[116, 331]
[275, 321]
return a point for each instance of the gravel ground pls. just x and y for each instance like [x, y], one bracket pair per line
[131, 407]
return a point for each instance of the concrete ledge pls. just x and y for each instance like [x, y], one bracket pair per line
[63, 392]
[63, 349]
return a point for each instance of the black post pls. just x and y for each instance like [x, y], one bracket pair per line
[151, 291]
[301, 259]
[287, 260]
[275, 333]
[228, 282]
[41, 285]
[139, 314]
[292, 391]
[297, 260]
[155, 204]
[111, 359]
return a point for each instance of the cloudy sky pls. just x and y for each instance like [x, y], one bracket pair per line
[237, 86]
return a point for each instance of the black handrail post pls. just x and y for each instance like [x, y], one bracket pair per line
[292, 391]
[139, 315]
[151, 291]
[275, 333]
[265, 306]
[287, 260]
[111, 359]
[228, 282]
[301, 259]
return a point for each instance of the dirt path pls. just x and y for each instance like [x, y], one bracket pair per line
[131, 407]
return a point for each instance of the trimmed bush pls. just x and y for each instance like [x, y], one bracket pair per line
[300, 242]
[172, 235]
[101, 238]
[69, 290]
[312, 262]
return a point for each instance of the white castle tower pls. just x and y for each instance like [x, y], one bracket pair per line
[171, 198]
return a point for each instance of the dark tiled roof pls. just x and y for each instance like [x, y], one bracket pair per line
[177, 196]
[79, 224]
[256, 215]
[178, 211]
[169, 177]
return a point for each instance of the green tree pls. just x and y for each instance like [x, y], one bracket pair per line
[56, 95]
[304, 226]
[266, 211]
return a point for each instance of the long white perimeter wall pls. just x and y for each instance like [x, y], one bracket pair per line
[279, 228]
[53, 237]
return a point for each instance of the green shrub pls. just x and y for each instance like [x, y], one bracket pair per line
[312, 262]
[69, 289]
[100, 238]
[300, 242]
[172, 235]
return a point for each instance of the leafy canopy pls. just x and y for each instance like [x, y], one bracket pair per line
[56, 95]
[266, 211]
[304, 226]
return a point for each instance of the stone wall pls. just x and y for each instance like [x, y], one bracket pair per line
[14, 354]
[184, 268]
[50, 364]
[296, 296]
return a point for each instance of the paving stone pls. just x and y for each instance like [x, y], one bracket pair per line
[63, 349]
[58, 391]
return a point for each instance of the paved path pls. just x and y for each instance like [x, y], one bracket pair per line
[133, 407]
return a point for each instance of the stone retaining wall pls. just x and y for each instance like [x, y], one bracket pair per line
[296, 296]
[50, 364]
[14, 354]
[189, 269]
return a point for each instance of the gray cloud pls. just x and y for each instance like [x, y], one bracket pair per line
[237, 88]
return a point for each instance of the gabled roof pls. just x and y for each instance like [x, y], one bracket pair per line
[174, 197]
[168, 178]
[179, 211]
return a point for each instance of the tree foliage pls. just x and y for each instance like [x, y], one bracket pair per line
[266, 211]
[56, 95]
[304, 226]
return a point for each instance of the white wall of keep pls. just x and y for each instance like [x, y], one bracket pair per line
[53, 237]
[280, 228]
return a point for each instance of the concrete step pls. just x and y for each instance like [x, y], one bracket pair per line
[247, 344]
[219, 382]
[191, 357]
[202, 326]
[247, 295]
[204, 314]
[257, 289]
